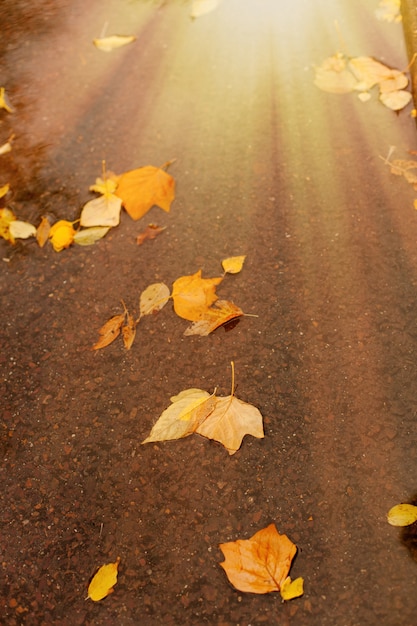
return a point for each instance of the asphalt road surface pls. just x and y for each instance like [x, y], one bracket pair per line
[268, 166]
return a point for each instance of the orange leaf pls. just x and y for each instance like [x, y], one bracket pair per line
[259, 564]
[103, 581]
[145, 187]
[217, 315]
[129, 331]
[109, 331]
[193, 295]
[42, 232]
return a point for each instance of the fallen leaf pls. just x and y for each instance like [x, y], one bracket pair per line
[230, 420]
[188, 409]
[259, 564]
[22, 230]
[393, 82]
[202, 7]
[220, 313]
[150, 232]
[396, 100]
[110, 331]
[402, 167]
[153, 298]
[4, 101]
[102, 211]
[4, 189]
[61, 235]
[234, 264]
[129, 331]
[107, 44]
[107, 185]
[42, 232]
[368, 72]
[291, 589]
[333, 76]
[402, 515]
[6, 218]
[193, 295]
[145, 187]
[6, 147]
[89, 236]
[103, 581]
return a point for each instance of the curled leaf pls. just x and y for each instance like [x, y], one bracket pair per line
[150, 232]
[42, 232]
[4, 101]
[61, 235]
[103, 581]
[129, 331]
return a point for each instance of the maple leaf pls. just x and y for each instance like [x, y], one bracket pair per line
[107, 44]
[402, 515]
[259, 564]
[150, 232]
[153, 298]
[61, 235]
[110, 331]
[142, 188]
[193, 295]
[188, 409]
[103, 581]
[222, 312]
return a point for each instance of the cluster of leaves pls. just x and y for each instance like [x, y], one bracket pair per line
[194, 299]
[136, 190]
[341, 74]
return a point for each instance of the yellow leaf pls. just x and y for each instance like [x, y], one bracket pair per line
[193, 295]
[368, 72]
[402, 515]
[233, 265]
[103, 582]
[153, 298]
[188, 409]
[110, 331]
[107, 44]
[259, 564]
[145, 187]
[102, 211]
[394, 81]
[220, 313]
[4, 190]
[4, 104]
[22, 230]
[333, 76]
[89, 236]
[107, 185]
[292, 588]
[396, 100]
[61, 235]
[42, 232]
[6, 218]
[229, 421]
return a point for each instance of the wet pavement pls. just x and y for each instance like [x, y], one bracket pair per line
[269, 166]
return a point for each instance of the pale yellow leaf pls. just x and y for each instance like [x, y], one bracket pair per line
[188, 409]
[89, 236]
[395, 81]
[333, 76]
[402, 515]
[107, 44]
[230, 420]
[396, 100]
[103, 582]
[368, 72]
[233, 264]
[102, 211]
[153, 298]
[22, 230]
[5, 148]
[292, 588]
[202, 7]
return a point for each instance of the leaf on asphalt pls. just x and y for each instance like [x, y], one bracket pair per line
[202, 7]
[402, 515]
[102, 211]
[193, 295]
[6, 218]
[291, 589]
[220, 313]
[103, 581]
[21, 230]
[110, 331]
[369, 72]
[259, 564]
[144, 188]
[107, 44]
[396, 100]
[153, 298]
[7, 147]
[150, 232]
[89, 236]
[188, 409]
[42, 232]
[61, 235]
[233, 265]
[333, 76]
[107, 185]
[4, 101]
[129, 330]
[406, 168]
[4, 189]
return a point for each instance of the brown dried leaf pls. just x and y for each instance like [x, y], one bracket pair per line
[150, 232]
[110, 331]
